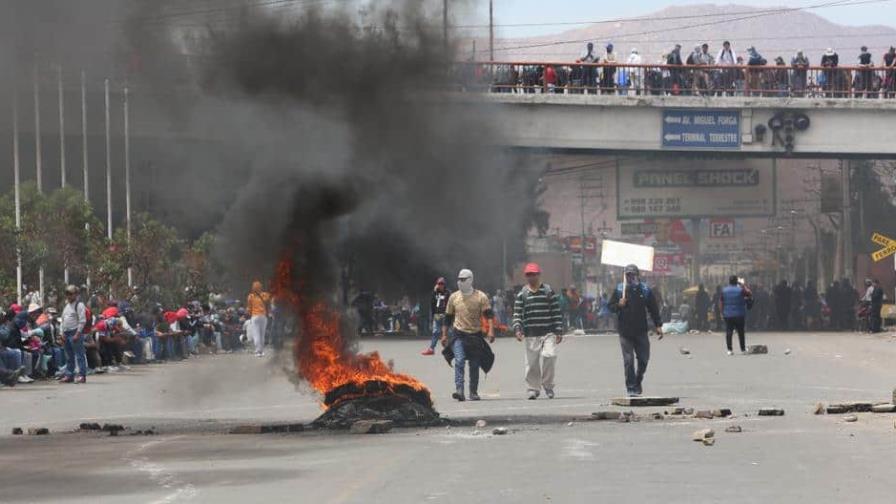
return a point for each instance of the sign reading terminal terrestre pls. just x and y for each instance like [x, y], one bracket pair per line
[701, 129]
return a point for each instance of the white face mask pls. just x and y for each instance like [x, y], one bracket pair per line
[465, 285]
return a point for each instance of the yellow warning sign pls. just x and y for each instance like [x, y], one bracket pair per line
[882, 240]
[884, 252]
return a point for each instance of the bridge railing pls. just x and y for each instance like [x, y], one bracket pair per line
[873, 82]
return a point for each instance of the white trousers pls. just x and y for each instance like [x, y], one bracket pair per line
[257, 327]
[541, 358]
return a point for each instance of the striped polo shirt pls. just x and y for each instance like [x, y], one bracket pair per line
[537, 312]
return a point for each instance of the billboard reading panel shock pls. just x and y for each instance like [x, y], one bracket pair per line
[696, 189]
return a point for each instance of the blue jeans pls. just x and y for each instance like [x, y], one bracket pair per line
[460, 358]
[12, 358]
[58, 357]
[436, 332]
[74, 351]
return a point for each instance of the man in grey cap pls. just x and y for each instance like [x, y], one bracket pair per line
[74, 319]
[633, 302]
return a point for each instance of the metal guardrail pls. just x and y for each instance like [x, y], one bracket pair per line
[871, 82]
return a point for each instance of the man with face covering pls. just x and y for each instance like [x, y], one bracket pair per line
[633, 302]
[464, 312]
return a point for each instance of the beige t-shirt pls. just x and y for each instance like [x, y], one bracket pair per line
[467, 310]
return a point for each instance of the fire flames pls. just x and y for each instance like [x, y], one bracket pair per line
[320, 355]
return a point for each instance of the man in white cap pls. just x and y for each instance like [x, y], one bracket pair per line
[464, 312]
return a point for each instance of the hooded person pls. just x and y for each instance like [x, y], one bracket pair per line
[633, 302]
[463, 315]
[258, 303]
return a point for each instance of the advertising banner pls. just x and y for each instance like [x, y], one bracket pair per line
[696, 189]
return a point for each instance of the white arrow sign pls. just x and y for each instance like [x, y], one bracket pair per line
[670, 137]
[673, 119]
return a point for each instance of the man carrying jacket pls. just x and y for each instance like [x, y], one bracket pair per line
[538, 321]
[633, 302]
[463, 314]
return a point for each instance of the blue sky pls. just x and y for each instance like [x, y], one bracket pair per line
[558, 11]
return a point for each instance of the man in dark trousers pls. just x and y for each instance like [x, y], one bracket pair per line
[877, 304]
[782, 305]
[437, 304]
[633, 302]
[734, 309]
[702, 304]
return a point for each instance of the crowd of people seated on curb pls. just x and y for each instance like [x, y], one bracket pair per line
[75, 339]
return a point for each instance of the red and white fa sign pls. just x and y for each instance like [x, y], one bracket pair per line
[721, 228]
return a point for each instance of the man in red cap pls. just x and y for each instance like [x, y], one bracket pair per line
[537, 320]
[437, 304]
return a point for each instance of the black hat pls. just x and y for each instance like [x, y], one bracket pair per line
[631, 268]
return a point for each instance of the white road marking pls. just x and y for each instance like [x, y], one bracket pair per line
[159, 474]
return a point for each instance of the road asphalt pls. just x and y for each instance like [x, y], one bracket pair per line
[552, 452]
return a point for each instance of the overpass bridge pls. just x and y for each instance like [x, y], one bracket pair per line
[809, 112]
[719, 126]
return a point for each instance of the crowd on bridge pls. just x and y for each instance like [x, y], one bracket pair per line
[73, 338]
[704, 71]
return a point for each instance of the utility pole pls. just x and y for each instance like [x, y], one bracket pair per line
[62, 144]
[84, 155]
[127, 177]
[445, 24]
[846, 223]
[16, 182]
[587, 186]
[38, 164]
[108, 166]
[491, 30]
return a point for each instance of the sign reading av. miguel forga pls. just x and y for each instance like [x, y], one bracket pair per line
[701, 129]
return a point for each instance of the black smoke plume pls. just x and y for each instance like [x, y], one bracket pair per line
[421, 185]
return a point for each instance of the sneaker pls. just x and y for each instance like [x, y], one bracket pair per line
[730, 352]
[67, 379]
[259, 354]
[633, 393]
[474, 396]
[80, 379]
[428, 351]
[533, 395]
[549, 393]
[124, 367]
[129, 354]
[113, 369]
[25, 379]
[459, 395]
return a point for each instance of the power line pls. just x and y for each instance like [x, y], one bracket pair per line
[265, 3]
[631, 19]
[839, 3]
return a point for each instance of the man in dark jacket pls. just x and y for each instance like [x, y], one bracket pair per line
[437, 304]
[782, 305]
[734, 308]
[702, 304]
[633, 302]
